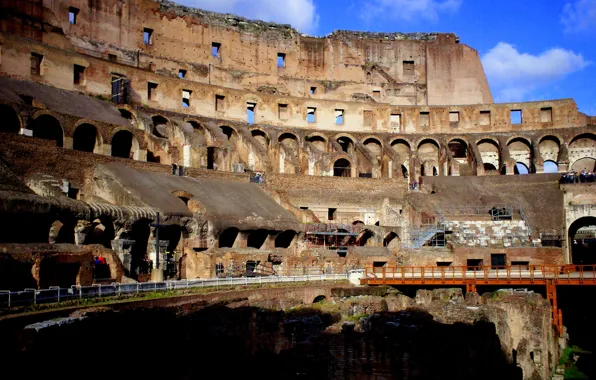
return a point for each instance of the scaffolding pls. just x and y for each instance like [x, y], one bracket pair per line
[333, 236]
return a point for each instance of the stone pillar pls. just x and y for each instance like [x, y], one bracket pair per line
[476, 157]
[163, 244]
[537, 160]
[68, 142]
[563, 158]
[505, 158]
[123, 248]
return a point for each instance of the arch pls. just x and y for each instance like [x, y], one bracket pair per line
[357, 222]
[159, 126]
[589, 136]
[551, 166]
[257, 238]
[364, 237]
[489, 152]
[140, 233]
[201, 131]
[47, 127]
[229, 132]
[458, 148]
[61, 233]
[127, 114]
[489, 167]
[521, 168]
[124, 144]
[285, 239]
[319, 298]
[582, 148]
[102, 232]
[549, 147]
[288, 139]
[184, 196]
[390, 240]
[9, 119]
[342, 168]
[318, 141]
[374, 145]
[261, 136]
[586, 163]
[581, 241]
[404, 171]
[402, 148]
[85, 138]
[227, 239]
[346, 143]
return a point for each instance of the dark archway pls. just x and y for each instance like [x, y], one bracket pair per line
[261, 137]
[228, 132]
[318, 142]
[47, 127]
[319, 298]
[257, 238]
[228, 237]
[140, 233]
[458, 148]
[582, 241]
[342, 168]
[390, 240]
[122, 144]
[364, 237]
[9, 120]
[61, 232]
[84, 138]
[102, 232]
[404, 171]
[284, 239]
[489, 167]
[159, 126]
[346, 143]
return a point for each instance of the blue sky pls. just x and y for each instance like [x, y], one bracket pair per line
[531, 49]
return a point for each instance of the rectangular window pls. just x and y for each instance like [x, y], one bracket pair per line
[112, 57]
[498, 260]
[79, 74]
[377, 94]
[72, 15]
[311, 114]
[454, 117]
[36, 60]
[181, 73]
[148, 36]
[484, 118]
[546, 115]
[219, 102]
[424, 119]
[395, 120]
[331, 213]
[313, 90]
[281, 60]
[474, 264]
[516, 116]
[215, 46]
[339, 116]
[282, 111]
[186, 98]
[408, 69]
[151, 91]
[444, 263]
[251, 110]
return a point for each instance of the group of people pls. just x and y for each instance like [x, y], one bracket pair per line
[583, 177]
[100, 267]
[146, 265]
[178, 170]
[414, 185]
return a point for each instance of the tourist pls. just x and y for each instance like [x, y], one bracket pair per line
[174, 169]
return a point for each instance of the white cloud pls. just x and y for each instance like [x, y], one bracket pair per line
[579, 16]
[301, 14]
[514, 75]
[407, 10]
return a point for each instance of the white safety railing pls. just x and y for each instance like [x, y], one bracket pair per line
[26, 297]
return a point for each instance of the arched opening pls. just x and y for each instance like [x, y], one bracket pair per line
[125, 113]
[346, 143]
[374, 146]
[521, 151]
[183, 196]
[256, 239]
[520, 168]
[458, 148]
[489, 168]
[428, 152]
[61, 233]
[261, 137]
[228, 132]
[551, 167]
[228, 237]
[402, 148]
[85, 138]
[9, 120]
[139, 232]
[47, 127]
[204, 138]
[159, 126]
[356, 222]
[341, 168]
[319, 298]
[284, 239]
[549, 148]
[584, 164]
[582, 241]
[102, 232]
[391, 240]
[489, 152]
[364, 238]
[318, 142]
[122, 143]
[404, 171]
[288, 140]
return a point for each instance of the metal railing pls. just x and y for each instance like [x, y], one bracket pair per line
[522, 274]
[27, 297]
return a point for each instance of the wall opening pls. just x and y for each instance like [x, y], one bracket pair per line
[489, 167]
[374, 146]
[516, 116]
[424, 120]
[339, 116]
[186, 98]
[211, 157]
[521, 168]
[404, 171]
[498, 260]
[227, 131]
[582, 241]
[257, 238]
[10, 120]
[181, 73]
[219, 103]
[219, 269]
[85, 138]
[474, 264]
[122, 144]
[454, 117]
[215, 49]
[546, 115]
[395, 120]
[159, 126]
[228, 237]
[151, 91]
[364, 238]
[444, 263]
[47, 127]
[408, 69]
[313, 90]
[251, 109]
[73, 14]
[311, 114]
[391, 240]
[261, 137]
[320, 298]
[61, 233]
[36, 61]
[458, 148]
[284, 239]
[347, 145]
[282, 111]
[551, 167]
[331, 213]
[78, 75]
[342, 168]
[318, 142]
[281, 60]
[102, 232]
[484, 118]
[147, 36]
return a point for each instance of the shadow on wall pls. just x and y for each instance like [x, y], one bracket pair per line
[392, 344]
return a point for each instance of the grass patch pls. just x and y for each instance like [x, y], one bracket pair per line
[572, 372]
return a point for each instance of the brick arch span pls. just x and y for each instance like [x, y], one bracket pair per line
[54, 132]
[100, 127]
[489, 138]
[296, 135]
[137, 134]
[421, 139]
[580, 135]
[372, 137]
[519, 137]
[334, 157]
[393, 140]
[199, 127]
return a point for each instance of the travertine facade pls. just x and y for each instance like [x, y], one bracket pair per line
[123, 90]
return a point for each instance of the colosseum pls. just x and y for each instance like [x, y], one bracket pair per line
[179, 143]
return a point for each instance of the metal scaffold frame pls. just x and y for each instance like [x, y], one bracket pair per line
[333, 236]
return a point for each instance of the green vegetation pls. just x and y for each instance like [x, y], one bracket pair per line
[572, 372]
